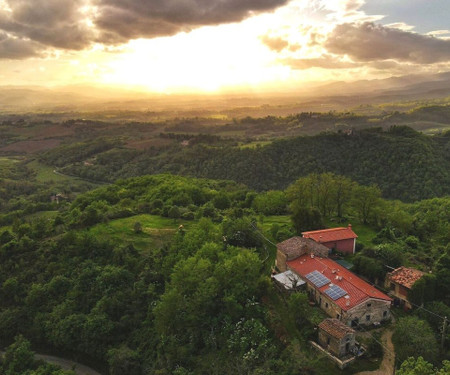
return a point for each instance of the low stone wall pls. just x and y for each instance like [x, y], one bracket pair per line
[341, 363]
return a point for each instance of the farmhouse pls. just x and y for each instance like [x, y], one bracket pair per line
[400, 282]
[339, 292]
[342, 239]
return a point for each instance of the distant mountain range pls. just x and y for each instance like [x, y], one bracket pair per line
[314, 97]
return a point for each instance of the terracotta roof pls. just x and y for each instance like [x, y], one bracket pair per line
[335, 328]
[405, 276]
[329, 235]
[357, 289]
[297, 246]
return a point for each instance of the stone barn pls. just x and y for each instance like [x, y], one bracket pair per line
[336, 338]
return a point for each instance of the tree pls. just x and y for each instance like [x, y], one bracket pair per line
[270, 203]
[18, 357]
[342, 193]
[5, 237]
[423, 290]
[413, 337]
[365, 200]
[174, 213]
[419, 366]
[124, 361]
[241, 232]
[221, 201]
[137, 227]
[305, 219]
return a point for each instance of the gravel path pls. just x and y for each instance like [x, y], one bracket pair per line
[387, 364]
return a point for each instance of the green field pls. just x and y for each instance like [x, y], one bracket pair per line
[46, 174]
[155, 230]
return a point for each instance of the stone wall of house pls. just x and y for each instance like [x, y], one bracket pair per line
[325, 303]
[371, 311]
[398, 292]
[329, 343]
[338, 347]
[377, 310]
[280, 261]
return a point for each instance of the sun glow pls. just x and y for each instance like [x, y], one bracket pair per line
[207, 59]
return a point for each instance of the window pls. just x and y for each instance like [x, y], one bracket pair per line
[384, 314]
[392, 286]
[369, 304]
[368, 318]
[337, 316]
[326, 305]
[328, 341]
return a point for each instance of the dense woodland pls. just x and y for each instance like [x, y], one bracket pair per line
[405, 164]
[164, 274]
[200, 299]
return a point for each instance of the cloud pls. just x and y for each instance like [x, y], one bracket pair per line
[400, 25]
[77, 24]
[275, 43]
[324, 62]
[370, 42]
[54, 23]
[16, 49]
[129, 19]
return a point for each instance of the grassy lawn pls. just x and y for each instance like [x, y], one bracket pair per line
[8, 160]
[155, 230]
[281, 220]
[45, 173]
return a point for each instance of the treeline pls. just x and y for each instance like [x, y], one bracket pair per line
[405, 164]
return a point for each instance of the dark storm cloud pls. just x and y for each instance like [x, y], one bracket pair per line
[372, 42]
[16, 49]
[126, 19]
[55, 23]
[64, 23]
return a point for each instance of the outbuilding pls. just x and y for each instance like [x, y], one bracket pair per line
[337, 338]
[341, 239]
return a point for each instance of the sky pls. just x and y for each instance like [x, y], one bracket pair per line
[170, 46]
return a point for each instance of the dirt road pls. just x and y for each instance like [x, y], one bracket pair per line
[387, 364]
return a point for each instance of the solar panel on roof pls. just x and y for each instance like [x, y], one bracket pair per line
[335, 292]
[317, 278]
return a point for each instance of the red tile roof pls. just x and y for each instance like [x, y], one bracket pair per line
[357, 289]
[335, 328]
[330, 235]
[405, 276]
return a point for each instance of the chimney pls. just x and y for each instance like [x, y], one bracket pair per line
[350, 226]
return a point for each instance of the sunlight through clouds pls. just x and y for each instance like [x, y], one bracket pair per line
[264, 44]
